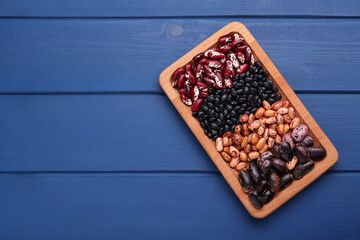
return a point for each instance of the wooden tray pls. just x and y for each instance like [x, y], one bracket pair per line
[231, 176]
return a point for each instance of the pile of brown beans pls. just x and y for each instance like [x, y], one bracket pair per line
[256, 133]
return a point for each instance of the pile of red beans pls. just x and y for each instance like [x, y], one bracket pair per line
[215, 67]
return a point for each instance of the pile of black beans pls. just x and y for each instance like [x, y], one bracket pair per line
[272, 171]
[221, 110]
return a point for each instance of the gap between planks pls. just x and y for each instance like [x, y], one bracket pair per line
[159, 92]
[152, 172]
[187, 17]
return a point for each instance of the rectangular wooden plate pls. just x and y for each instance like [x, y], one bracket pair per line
[230, 174]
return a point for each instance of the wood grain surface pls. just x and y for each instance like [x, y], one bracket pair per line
[161, 8]
[194, 205]
[229, 174]
[105, 55]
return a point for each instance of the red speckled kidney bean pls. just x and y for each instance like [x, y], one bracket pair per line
[190, 76]
[239, 41]
[196, 105]
[234, 60]
[185, 99]
[242, 68]
[214, 63]
[228, 70]
[177, 72]
[204, 94]
[226, 48]
[241, 57]
[213, 54]
[202, 86]
[198, 57]
[225, 39]
[199, 69]
[181, 81]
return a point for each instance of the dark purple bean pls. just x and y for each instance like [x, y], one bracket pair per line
[274, 182]
[266, 169]
[317, 153]
[301, 169]
[276, 150]
[302, 153]
[285, 180]
[267, 196]
[255, 200]
[255, 172]
[246, 180]
[286, 151]
[279, 165]
[308, 141]
[264, 156]
[260, 188]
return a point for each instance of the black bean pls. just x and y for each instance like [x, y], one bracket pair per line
[248, 79]
[204, 107]
[223, 98]
[246, 90]
[226, 128]
[240, 91]
[271, 101]
[269, 81]
[221, 131]
[233, 93]
[210, 105]
[225, 112]
[266, 85]
[274, 88]
[228, 121]
[211, 113]
[194, 114]
[242, 100]
[228, 107]
[229, 98]
[202, 124]
[266, 74]
[254, 84]
[253, 90]
[221, 107]
[258, 64]
[213, 131]
[278, 97]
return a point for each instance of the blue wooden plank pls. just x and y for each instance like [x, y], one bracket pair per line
[168, 206]
[122, 55]
[110, 8]
[134, 133]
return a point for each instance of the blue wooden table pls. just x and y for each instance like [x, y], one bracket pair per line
[91, 148]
